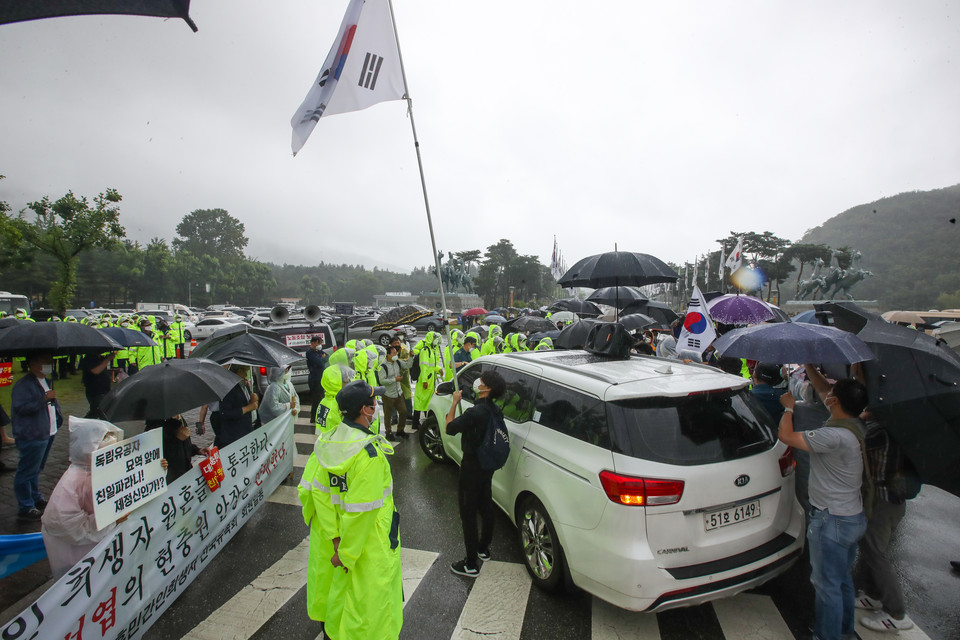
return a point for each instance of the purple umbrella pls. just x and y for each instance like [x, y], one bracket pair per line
[737, 309]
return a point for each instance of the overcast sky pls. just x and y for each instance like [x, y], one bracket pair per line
[660, 126]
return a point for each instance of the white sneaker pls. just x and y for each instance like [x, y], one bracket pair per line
[882, 621]
[864, 601]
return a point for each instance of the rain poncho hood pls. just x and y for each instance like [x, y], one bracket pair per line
[545, 345]
[328, 412]
[495, 331]
[667, 347]
[343, 357]
[335, 448]
[86, 436]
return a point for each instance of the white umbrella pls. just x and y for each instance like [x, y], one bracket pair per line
[564, 316]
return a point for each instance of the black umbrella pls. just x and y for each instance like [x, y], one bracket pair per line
[659, 311]
[641, 321]
[128, 337]
[59, 338]
[164, 390]
[21, 11]
[528, 323]
[616, 268]
[577, 306]
[914, 390]
[6, 323]
[574, 336]
[616, 296]
[232, 332]
[253, 350]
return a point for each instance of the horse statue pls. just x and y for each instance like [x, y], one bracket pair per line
[836, 275]
[849, 279]
[813, 283]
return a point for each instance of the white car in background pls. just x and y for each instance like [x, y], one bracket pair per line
[648, 483]
[205, 328]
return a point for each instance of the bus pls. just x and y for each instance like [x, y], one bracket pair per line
[10, 302]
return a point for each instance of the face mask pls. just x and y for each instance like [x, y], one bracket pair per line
[47, 369]
[286, 377]
[476, 386]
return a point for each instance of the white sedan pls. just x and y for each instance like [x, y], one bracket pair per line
[205, 328]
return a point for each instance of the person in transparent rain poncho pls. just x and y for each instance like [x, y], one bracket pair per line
[279, 397]
[69, 527]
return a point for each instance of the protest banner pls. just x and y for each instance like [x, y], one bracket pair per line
[6, 374]
[127, 581]
[127, 475]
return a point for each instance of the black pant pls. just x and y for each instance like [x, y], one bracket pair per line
[475, 498]
[316, 395]
[94, 402]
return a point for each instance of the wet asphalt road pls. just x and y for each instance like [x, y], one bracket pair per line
[425, 493]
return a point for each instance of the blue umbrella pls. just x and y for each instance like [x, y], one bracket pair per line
[791, 342]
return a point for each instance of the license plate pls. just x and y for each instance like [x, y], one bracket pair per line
[298, 372]
[734, 515]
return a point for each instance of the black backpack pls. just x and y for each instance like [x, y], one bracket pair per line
[494, 448]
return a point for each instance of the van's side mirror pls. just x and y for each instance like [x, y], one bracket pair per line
[445, 388]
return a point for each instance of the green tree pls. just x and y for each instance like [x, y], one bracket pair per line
[212, 232]
[64, 229]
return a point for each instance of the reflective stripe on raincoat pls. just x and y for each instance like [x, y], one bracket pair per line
[366, 601]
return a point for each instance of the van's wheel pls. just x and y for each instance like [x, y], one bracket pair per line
[540, 546]
[430, 440]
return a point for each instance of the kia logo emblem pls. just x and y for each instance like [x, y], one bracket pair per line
[742, 480]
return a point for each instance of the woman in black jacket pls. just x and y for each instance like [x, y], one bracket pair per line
[237, 410]
[178, 449]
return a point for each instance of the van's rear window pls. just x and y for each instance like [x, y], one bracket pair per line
[692, 430]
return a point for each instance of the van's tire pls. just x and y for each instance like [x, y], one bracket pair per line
[430, 441]
[540, 546]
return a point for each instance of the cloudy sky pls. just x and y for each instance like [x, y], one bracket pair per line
[660, 126]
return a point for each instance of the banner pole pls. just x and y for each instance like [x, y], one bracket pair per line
[423, 186]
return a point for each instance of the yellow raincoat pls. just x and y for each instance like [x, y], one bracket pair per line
[429, 368]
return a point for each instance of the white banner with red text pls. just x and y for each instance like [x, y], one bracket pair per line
[125, 583]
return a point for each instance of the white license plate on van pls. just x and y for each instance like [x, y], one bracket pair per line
[299, 372]
[734, 515]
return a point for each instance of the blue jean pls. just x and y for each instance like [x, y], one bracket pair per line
[26, 482]
[833, 549]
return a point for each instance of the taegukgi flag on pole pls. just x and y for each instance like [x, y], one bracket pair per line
[365, 57]
[735, 259]
[698, 331]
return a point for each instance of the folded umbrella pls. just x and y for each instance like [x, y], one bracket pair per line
[788, 342]
[164, 390]
[58, 338]
[253, 350]
[739, 309]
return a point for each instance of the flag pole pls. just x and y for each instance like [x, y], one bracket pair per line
[423, 186]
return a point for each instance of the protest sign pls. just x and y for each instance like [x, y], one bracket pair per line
[125, 583]
[6, 374]
[212, 469]
[127, 475]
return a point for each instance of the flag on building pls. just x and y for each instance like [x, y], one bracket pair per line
[698, 331]
[735, 259]
[366, 57]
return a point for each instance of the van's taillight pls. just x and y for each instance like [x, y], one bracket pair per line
[640, 492]
[788, 462]
[263, 371]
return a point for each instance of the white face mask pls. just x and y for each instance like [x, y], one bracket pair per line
[286, 377]
[47, 369]
[476, 386]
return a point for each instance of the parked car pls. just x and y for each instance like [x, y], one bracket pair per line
[434, 322]
[363, 329]
[205, 328]
[297, 336]
[649, 484]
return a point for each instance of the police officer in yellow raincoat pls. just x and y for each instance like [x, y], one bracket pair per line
[365, 600]
[328, 412]
[456, 337]
[427, 380]
[490, 344]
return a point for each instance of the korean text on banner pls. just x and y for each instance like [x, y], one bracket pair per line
[127, 581]
[127, 475]
[6, 374]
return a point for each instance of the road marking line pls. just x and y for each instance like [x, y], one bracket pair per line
[253, 605]
[916, 633]
[613, 623]
[751, 616]
[496, 605]
[415, 564]
[285, 495]
[305, 438]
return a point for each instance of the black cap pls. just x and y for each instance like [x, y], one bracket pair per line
[767, 373]
[357, 394]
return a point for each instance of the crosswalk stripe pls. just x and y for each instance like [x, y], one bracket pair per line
[868, 634]
[253, 605]
[415, 564]
[751, 616]
[300, 460]
[496, 604]
[613, 623]
[305, 438]
[285, 495]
